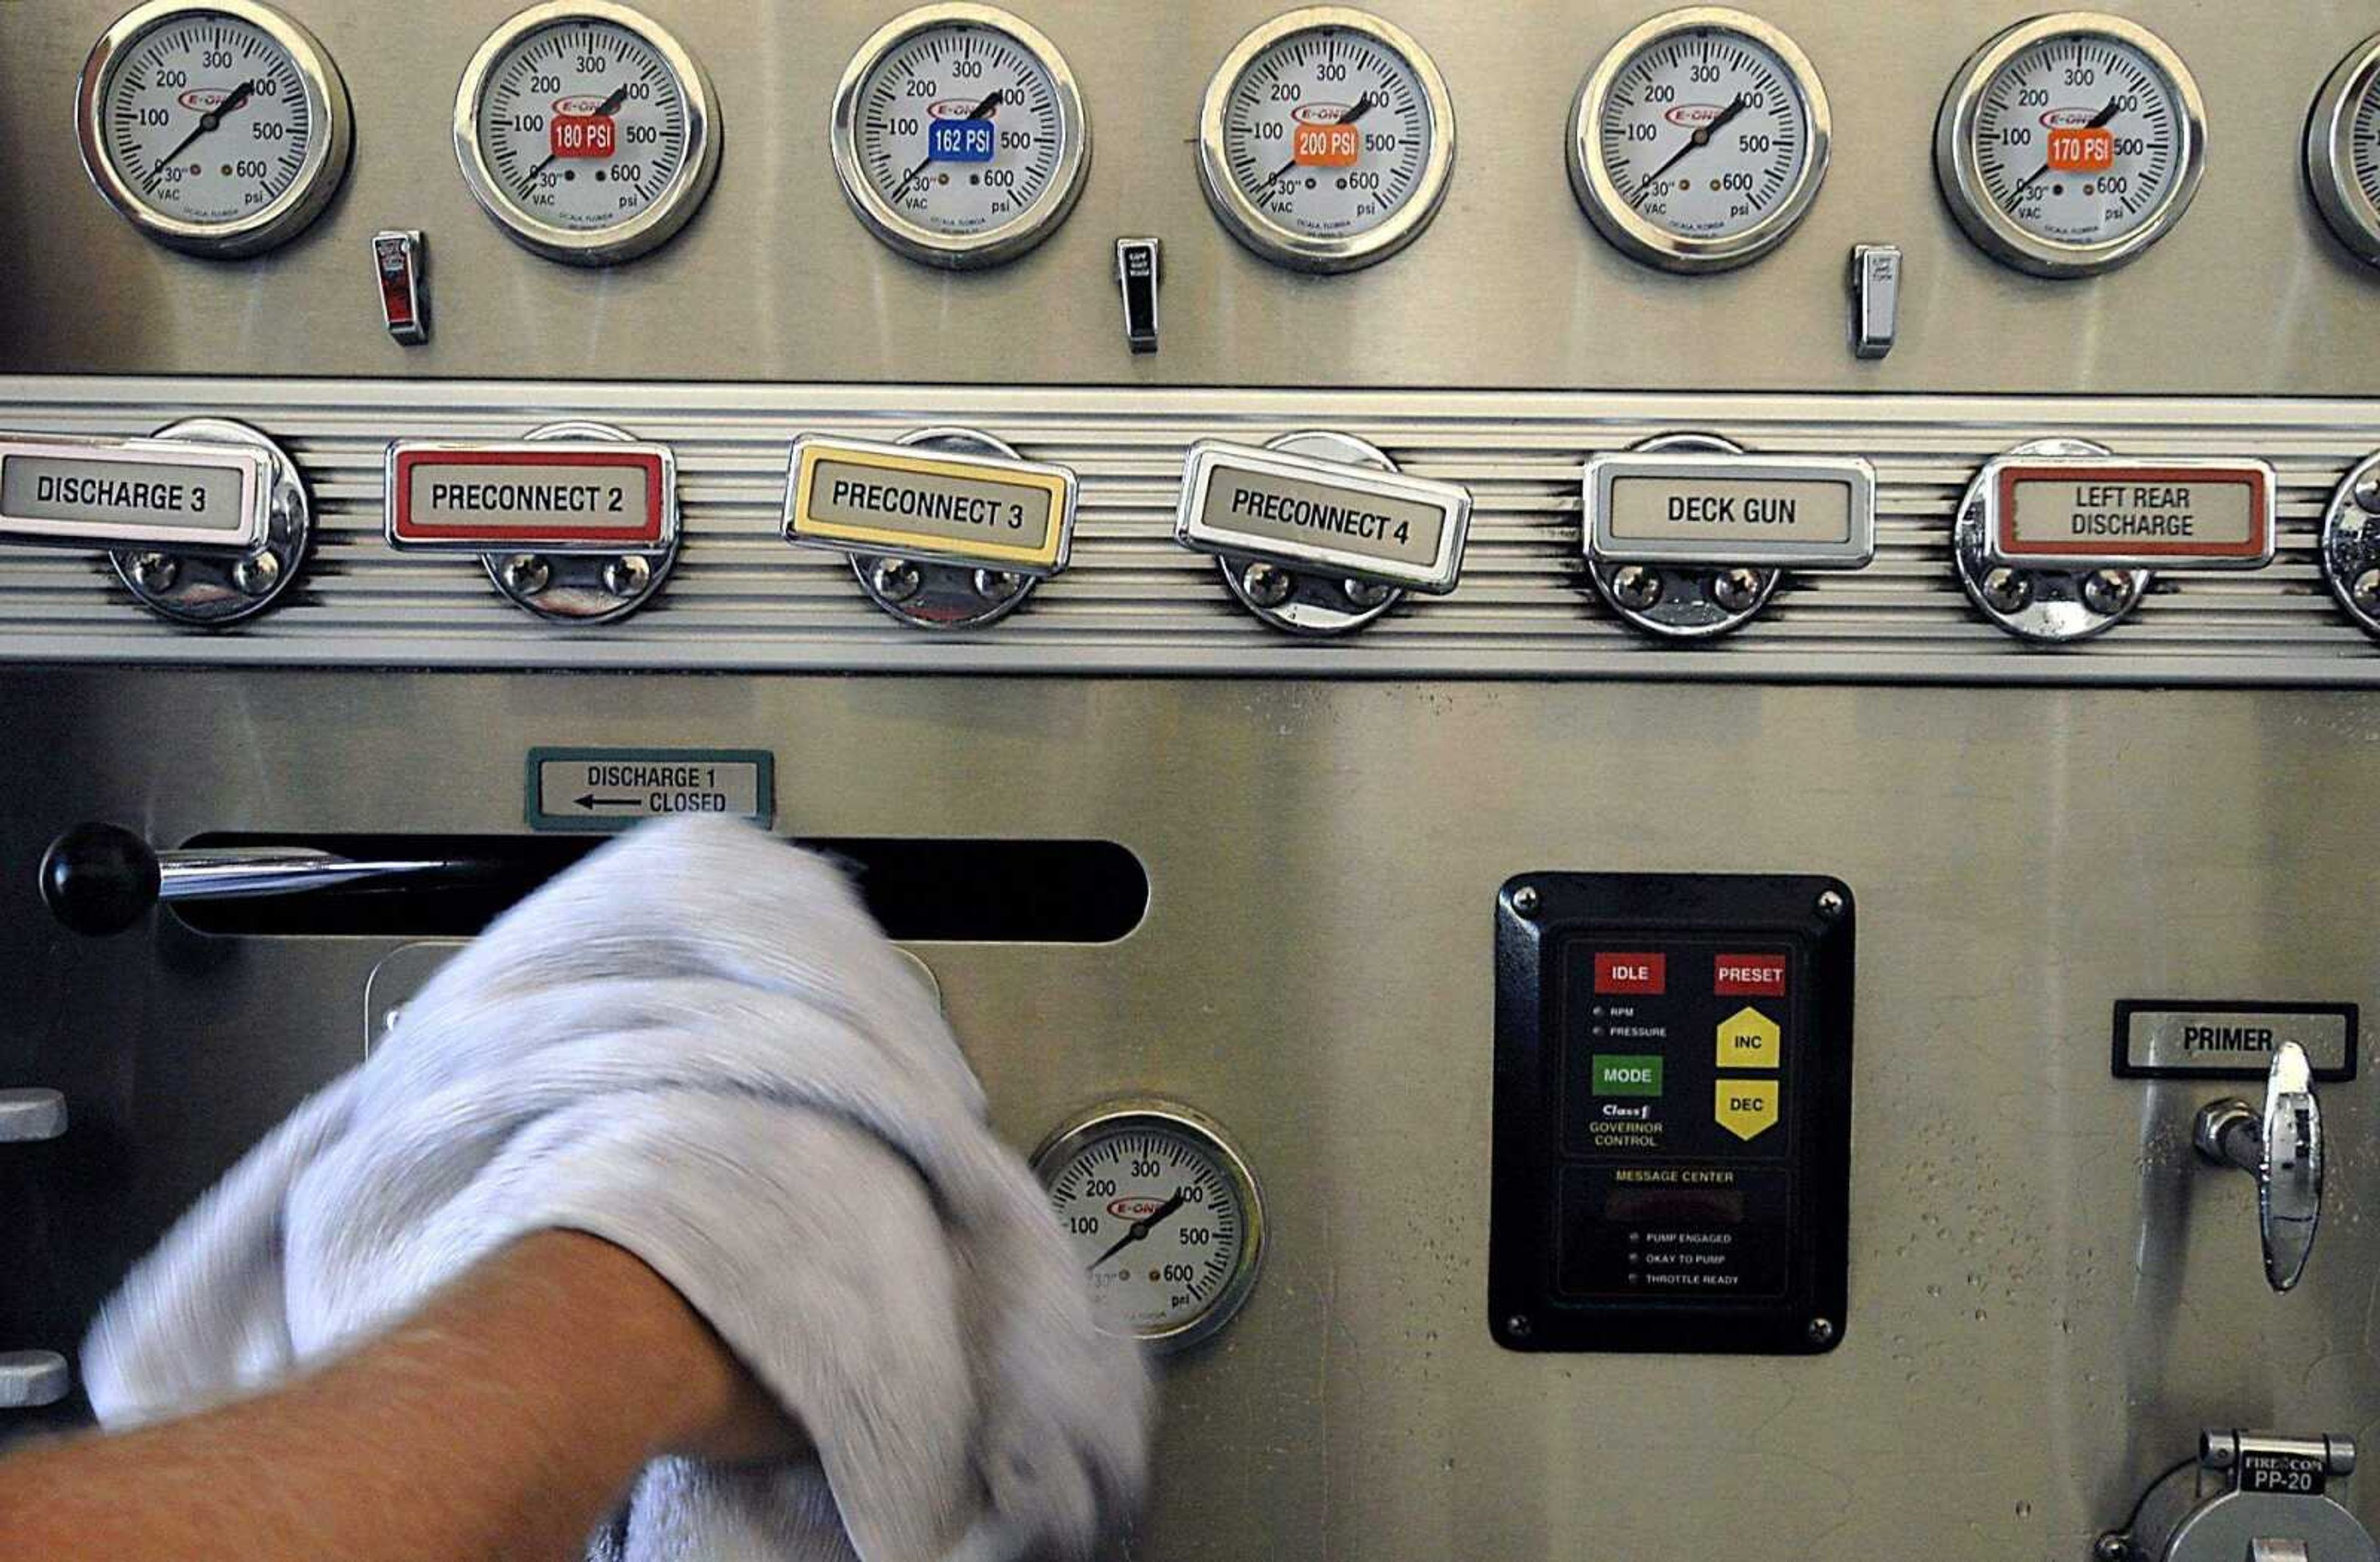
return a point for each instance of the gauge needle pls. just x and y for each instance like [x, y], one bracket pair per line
[982, 110]
[2098, 120]
[603, 110]
[1144, 1226]
[1701, 137]
[209, 120]
[1355, 111]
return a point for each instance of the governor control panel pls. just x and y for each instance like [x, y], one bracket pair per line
[1672, 1112]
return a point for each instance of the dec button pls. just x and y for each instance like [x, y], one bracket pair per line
[1747, 1108]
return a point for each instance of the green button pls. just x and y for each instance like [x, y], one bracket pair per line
[1627, 1074]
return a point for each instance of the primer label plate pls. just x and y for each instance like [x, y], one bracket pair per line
[1324, 517]
[865, 497]
[604, 789]
[133, 492]
[557, 495]
[2221, 1038]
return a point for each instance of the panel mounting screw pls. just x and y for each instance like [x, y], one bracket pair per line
[155, 573]
[1525, 900]
[2109, 590]
[2007, 590]
[526, 574]
[1519, 1326]
[1268, 585]
[1736, 590]
[1822, 1331]
[2365, 591]
[2112, 1547]
[2367, 493]
[1635, 587]
[1365, 593]
[256, 574]
[895, 579]
[1830, 905]
[628, 575]
[998, 585]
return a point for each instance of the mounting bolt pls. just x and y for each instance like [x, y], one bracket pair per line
[628, 575]
[1367, 594]
[2007, 591]
[2366, 491]
[998, 585]
[1635, 587]
[1519, 1326]
[257, 574]
[2109, 592]
[1268, 585]
[155, 573]
[895, 579]
[2365, 591]
[2112, 1547]
[1831, 905]
[1526, 901]
[526, 574]
[1738, 590]
[1822, 1331]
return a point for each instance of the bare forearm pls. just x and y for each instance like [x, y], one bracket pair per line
[504, 1420]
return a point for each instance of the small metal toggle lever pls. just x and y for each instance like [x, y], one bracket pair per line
[99, 879]
[2281, 1148]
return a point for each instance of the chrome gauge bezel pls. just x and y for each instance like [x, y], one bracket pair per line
[1635, 234]
[1210, 1136]
[1283, 245]
[1993, 230]
[669, 212]
[319, 176]
[2330, 153]
[1028, 227]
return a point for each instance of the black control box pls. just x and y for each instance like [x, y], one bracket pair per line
[1673, 1128]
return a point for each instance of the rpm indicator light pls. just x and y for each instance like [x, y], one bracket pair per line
[1162, 1213]
[586, 131]
[1699, 140]
[221, 128]
[2342, 150]
[2070, 143]
[959, 135]
[1326, 140]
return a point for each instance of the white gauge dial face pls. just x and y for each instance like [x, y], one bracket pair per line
[2079, 139]
[205, 118]
[961, 129]
[1327, 132]
[1705, 134]
[1155, 1217]
[583, 125]
[2363, 143]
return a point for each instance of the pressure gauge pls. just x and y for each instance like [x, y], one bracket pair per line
[586, 131]
[2070, 143]
[1326, 140]
[960, 136]
[221, 128]
[2342, 150]
[1163, 1215]
[1699, 140]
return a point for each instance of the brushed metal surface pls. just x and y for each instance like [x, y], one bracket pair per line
[1511, 286]
[2048, 1296]
[1133, 602]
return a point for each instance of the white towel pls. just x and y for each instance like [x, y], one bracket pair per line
[697, 1045]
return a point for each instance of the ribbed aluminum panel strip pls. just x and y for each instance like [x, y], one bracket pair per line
[1134, 604]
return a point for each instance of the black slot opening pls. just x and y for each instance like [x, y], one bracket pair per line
[920, 890]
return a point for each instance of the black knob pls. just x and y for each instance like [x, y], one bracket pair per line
[99, 879]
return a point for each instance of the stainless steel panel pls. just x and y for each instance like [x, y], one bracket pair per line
[2048, 1297]
[775, 280]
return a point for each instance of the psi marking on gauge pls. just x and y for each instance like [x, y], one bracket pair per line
[1163, 1216]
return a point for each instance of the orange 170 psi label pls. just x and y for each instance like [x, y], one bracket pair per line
[2083, 150]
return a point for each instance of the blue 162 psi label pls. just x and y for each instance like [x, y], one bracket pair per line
[960, 140]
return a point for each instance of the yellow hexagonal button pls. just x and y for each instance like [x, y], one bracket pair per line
[1749, 1039]
[1746, 1108]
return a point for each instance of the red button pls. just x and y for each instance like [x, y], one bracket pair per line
[1632, 973]
[1748, 976]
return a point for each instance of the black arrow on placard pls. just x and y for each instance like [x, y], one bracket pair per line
[590, 801]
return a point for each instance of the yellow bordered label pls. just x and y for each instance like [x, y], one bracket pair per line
[860, 496]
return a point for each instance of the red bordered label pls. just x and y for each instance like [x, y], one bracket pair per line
[2074, 510]
[596, 497]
